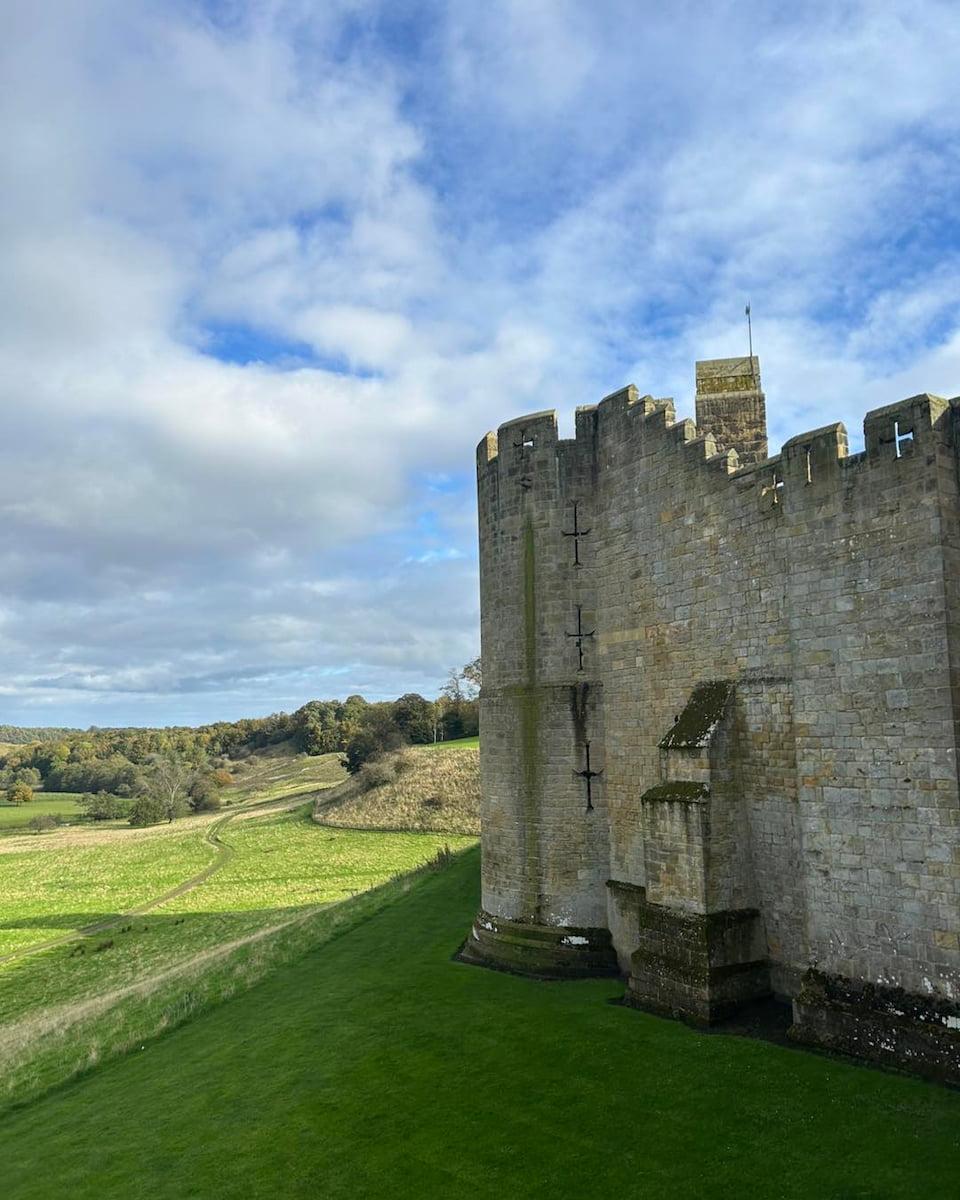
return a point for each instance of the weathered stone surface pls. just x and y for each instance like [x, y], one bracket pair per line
[887, 1025]
[638, 575]
[544, 951]
[699, 966]
[731, 406]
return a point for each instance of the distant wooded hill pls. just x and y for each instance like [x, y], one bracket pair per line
[116, 760]
[14, 735]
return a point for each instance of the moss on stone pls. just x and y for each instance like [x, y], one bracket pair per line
[529, 705]
[542, 951]
[695, 726]
[680, 791]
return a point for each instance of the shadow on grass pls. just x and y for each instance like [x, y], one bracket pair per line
[204, 929]
[76, 922]
[60, 921]
[82, 1002]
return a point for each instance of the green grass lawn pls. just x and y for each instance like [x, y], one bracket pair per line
[95, 995]
[282, 864]
[285, 860]
[377, 1067]
[52, 804]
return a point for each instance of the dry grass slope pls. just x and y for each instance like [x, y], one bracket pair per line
[279, 772]
[416, 789]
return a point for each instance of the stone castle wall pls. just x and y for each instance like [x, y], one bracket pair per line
[814, 822]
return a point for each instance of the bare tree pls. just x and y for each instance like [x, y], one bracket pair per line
[169, 779]
[472, 677]
[463, 684]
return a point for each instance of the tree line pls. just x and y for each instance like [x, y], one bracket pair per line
[159, 774]
[18, 735]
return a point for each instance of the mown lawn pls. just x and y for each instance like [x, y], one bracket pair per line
[57, 1006]
[377, 1067]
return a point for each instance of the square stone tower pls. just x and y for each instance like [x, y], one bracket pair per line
[732, 406]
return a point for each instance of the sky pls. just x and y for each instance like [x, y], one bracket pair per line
[273, 268]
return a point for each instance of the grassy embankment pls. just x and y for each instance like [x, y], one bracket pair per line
[422, 787]
[67, 1007]
[377, 1067]
[278, 773]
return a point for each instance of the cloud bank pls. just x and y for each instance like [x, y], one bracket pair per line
[273, 269]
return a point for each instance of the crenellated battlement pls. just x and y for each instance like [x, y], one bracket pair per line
[629, 426]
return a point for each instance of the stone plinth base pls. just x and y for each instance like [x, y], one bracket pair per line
[920, 1034]
[545, 951]
[698, 966]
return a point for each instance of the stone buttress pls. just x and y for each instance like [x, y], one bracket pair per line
[702, 952]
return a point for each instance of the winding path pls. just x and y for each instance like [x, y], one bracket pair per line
[224, 853]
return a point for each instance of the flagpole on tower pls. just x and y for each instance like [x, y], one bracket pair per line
[750, 337]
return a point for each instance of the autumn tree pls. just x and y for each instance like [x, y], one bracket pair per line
[472, 676]
[19, 792]
[205, 790]
[460, 707]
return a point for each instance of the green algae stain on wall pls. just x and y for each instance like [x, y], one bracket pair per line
[530, 733]
[530, 603]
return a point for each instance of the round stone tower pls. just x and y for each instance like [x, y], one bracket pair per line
[545, 838]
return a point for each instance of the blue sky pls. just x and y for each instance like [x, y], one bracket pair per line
[273, 269]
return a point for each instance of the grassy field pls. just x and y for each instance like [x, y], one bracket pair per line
[377, 1067]
[96, 995]
[52, 804]
[61, 881]
[457, 744]
[421, 787]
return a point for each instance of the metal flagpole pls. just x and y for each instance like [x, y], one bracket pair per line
[750, 336]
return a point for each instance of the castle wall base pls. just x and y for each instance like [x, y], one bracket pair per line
[701, 967]
[543, 951]
[919, 1034]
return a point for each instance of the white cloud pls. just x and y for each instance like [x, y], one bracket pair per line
[364, 336]
[411, 234]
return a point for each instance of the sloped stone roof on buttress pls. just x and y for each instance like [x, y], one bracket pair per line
[695, 726]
